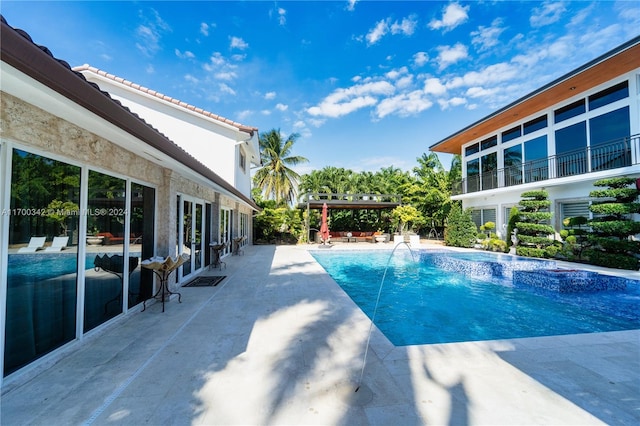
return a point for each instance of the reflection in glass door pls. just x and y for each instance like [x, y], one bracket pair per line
[226, 219]
[191, 234]
[106, 267]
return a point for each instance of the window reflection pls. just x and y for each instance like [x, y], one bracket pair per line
[104, 276]
[141, 242]
[41, 282]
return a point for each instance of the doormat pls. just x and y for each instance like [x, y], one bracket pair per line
[206, 281]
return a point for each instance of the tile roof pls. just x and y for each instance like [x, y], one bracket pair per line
[174, 101]
[36, 61]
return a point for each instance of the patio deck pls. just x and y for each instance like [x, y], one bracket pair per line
[278, 342]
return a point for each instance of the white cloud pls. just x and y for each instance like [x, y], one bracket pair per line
[453, 102]
[404, 82]
[244, 114]
[548, 13]
[220, 67]
[452, 16]
[406, 27]
[265, 112]
[282, 16]
[238, 43]
[397, 73]
[487, 37]
[451, 54]
[185, 55]
[375, 34]
[191, 79]
[420, 58]
[345, 101]
[481, 92]
[281, 107]
[204, 28]
[150, 33]
[351, 5]
[224, 88]
[270, 95]
[433, 86]
[404, 104]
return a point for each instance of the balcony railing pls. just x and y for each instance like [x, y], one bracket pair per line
[612, 155]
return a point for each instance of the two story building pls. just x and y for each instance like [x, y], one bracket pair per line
[580, 128]
[89, 190]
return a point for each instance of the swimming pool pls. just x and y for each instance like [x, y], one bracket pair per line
[421, 303]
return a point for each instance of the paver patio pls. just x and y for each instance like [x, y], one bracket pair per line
[278, 342]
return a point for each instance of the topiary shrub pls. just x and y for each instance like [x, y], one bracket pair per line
[612, 229]
[534, 231]
[460, 230]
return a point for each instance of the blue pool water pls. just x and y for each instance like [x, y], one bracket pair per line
[421, 303]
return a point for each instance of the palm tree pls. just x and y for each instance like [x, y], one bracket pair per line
[275, 179]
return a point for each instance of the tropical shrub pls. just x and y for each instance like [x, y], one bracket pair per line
[460, 230]
[613, 227]
[534, 231]
[514, 217]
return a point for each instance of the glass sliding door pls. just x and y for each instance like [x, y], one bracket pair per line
[41, 281]
[106, 267]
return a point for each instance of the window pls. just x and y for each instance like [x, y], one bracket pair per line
[513, 165]
[609, 135]
[472, 149]
[489, 171]
[607, 96]
[488, 143]
[571, 144]
[473, 175]
[536, 165]
[535, 124]
[482, 216]
[569, 111]
[243, 162]
[511, 134]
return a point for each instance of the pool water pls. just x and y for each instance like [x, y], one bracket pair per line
[422, 304]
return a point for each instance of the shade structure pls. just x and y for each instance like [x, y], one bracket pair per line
[324, 227]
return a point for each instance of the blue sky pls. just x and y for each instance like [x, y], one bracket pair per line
[366, 84]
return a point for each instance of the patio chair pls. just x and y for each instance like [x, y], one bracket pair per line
[58, 244]
[35, 244]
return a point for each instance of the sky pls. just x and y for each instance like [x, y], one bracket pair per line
[365, 84]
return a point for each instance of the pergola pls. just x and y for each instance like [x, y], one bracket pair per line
[315, 201]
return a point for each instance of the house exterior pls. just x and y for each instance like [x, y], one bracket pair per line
[563, 137]
[78, 165]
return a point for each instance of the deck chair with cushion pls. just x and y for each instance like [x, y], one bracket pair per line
[35, 244]
[59, 243]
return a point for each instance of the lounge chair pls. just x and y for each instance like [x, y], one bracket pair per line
[35, 244]
[59, 243]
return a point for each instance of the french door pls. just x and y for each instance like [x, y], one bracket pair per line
[191, 224]
[226, 221]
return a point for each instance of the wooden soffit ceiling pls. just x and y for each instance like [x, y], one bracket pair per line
[582, 80]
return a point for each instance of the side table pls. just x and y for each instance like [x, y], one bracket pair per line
[163, 269]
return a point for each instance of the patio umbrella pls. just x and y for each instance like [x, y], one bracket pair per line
[324, 228]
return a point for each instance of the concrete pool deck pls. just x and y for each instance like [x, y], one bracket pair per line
[278, 342]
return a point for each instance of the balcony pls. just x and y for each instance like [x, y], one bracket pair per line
[607, 156]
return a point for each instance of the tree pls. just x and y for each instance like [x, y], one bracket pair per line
[407, 217]
[612, 229]
[533, 228]
[460, 230]
[276, 179]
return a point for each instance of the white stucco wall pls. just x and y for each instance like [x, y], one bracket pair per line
[213, 143]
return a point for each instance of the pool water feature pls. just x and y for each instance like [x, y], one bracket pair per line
[422, 303]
